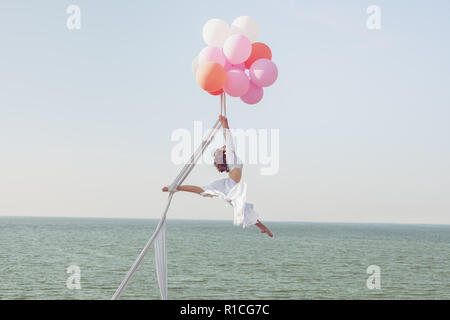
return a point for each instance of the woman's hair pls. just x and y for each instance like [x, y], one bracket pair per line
[220, 160]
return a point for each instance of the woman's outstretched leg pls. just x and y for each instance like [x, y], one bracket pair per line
[263, 228]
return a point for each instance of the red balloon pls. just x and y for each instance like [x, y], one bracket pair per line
[216, 93]
[259, 51]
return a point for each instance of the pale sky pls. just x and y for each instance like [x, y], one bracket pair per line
[86, 116]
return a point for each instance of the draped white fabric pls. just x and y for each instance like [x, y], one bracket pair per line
[161, 260]
[159, 236]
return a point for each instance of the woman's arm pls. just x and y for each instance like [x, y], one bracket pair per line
[235, 173]
[228, 139]
[187, 188]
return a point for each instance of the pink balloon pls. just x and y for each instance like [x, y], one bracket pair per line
[229, 66]
[253, 95]
[237, 48]
[211, 54]
[237, 83]
[263, 72]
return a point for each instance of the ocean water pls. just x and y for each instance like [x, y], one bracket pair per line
[216, 260]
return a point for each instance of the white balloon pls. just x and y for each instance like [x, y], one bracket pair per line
[195, 65]
[246, 26]
[215, 32]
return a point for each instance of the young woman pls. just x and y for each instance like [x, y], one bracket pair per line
[230, 189]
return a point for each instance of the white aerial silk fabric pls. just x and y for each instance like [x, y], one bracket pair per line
[161, 260]
[234, 194]
[158, 238]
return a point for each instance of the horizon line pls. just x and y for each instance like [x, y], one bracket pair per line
[223, 220]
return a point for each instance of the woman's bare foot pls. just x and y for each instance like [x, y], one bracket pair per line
[263, 228]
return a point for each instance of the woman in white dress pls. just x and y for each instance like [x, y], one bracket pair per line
[230, 189]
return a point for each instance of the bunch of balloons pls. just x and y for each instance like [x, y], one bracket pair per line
[233, 62]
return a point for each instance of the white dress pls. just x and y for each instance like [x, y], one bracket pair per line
[232, 192]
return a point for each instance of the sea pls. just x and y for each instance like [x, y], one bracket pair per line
[87, 258]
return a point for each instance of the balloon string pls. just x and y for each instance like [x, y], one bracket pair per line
[224, 105]
[223, 110]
